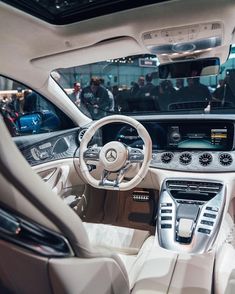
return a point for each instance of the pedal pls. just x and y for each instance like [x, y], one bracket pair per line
[140, 196]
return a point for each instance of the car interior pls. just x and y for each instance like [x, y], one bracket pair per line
[128, 185]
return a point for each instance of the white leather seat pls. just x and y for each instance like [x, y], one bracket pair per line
[119, 239]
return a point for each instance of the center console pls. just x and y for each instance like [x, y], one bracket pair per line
[190, 213]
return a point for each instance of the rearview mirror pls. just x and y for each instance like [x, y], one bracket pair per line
[189, 68]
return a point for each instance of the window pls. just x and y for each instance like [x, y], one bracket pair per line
[26, 112]
[131, 85]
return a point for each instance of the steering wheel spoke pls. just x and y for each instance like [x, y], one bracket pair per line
[92, 154]
[106, 182]
[135, 155]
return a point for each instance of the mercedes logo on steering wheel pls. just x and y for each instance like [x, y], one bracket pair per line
[111, 155]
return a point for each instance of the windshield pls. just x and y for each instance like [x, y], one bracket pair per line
[131, 86]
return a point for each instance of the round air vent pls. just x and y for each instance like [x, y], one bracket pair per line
[205, 159]
[225, 159]
[166, 157]
[185, 158]
[81, 134]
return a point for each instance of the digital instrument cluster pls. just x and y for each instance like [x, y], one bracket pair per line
[176, 135]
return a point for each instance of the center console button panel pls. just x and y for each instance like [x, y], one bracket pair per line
[190, 214]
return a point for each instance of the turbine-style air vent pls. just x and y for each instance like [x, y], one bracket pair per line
[205, 159]
[185, 158]
[225, 159]
[166, 157]
[81, 134]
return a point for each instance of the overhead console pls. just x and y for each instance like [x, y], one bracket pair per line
[192, 41]
[190, 213]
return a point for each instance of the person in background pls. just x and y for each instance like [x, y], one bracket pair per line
[20, 101]
[166, 94]
[195, 91]
[179, 84]
[75, 95]
[147, 96]
[226, 91]
[30, 101]
[148, 88]
[111, 98]
[141, 81]
[95, 98]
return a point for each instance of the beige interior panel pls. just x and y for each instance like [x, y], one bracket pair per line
[87, 276]
[61, 176]
[192, 274]
[153, 269]
[22, 272]
[13, 199]
[225, 256]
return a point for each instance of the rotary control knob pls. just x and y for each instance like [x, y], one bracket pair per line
[175, 136]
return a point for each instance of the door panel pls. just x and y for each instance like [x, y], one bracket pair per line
[52, 157]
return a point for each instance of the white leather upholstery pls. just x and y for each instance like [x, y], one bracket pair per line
[48, 209]
[118, 239]
[225, 258]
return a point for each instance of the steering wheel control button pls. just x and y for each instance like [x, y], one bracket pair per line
[92, 154]
[204, 231]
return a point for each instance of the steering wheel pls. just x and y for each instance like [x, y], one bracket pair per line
[115, 157]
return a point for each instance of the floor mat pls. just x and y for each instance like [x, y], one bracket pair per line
[133, 209]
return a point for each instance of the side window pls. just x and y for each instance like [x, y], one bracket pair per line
[26, 112]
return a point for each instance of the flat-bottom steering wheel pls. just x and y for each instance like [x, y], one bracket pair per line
[115, 157]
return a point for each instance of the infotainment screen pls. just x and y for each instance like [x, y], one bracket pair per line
[175, 135]
[200, 136]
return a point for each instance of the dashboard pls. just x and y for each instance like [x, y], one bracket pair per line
[192, 145]
[197, 145]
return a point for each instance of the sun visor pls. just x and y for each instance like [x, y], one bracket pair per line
[104, 50]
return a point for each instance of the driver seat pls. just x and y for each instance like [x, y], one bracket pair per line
[84, 270]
